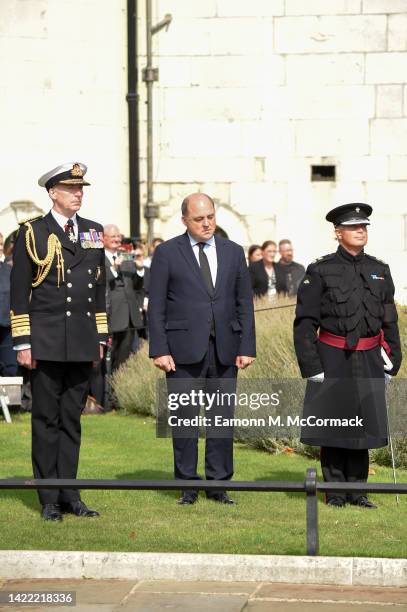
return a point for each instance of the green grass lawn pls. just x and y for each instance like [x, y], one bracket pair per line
[118, 447]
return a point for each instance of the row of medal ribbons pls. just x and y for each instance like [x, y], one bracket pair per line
[91, 239]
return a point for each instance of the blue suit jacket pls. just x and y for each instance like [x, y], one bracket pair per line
[181, 308]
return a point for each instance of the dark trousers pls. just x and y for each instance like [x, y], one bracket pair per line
[59, 392]
[97, 382]
[345, 465]
[211, 376]
[8, 356]
[122, 344]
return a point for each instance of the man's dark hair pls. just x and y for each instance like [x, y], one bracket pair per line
[284, 241]
[137, 244]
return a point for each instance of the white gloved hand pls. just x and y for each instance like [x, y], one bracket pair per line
[318, 378]
[387, 378]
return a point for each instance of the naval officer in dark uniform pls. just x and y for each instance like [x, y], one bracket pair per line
[346, 337]
[58, 320]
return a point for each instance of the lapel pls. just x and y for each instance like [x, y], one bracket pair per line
[221, 256]
[54, 228]
[79, 251]
[188, 253]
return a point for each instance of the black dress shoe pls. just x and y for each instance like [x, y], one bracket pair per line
[221, 497]
[78, 508]
[188, 498]
[363, 502]
[51, 512]
[337, 502]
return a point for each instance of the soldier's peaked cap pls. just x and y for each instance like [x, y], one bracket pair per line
[350, 214]
[71, 173]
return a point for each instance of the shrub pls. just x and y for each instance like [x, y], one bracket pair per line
[135, 383]
[382, 456]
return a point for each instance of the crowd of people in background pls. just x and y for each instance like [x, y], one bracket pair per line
[8, 360]
[127, 270]
[273, 279]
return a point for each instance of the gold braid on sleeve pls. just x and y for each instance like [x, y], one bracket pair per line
[44, 265]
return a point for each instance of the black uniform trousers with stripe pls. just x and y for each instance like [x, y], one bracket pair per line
[59, 392]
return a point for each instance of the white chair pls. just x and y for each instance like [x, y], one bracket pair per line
[10, 393]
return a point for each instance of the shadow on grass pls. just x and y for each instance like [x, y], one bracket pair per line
[289, 476]
[28, 498]
[274, 475]
[151, 475]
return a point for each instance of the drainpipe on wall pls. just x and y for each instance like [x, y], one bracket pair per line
[150, 74]
[132, 101]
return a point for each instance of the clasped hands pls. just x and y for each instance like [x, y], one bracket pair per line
[167, 364]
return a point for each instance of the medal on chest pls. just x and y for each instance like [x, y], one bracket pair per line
[91, 239]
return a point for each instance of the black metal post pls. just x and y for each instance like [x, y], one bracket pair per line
[132, 101]
[312, 511]
[310, 486]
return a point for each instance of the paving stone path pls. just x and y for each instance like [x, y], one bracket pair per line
[151, 596]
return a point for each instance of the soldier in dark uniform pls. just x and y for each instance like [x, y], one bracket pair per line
[346, 337]
[58, 320]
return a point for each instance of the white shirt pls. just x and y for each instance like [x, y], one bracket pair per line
[210, 252]
[62, 221]
[110, 256]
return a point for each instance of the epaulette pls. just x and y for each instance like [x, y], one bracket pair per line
[324, 258]
[32, 218]
[376, 259]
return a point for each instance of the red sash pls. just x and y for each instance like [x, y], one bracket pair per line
[363, 344]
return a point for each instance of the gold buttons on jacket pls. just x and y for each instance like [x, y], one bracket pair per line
[89, 271]
[89, 299]
[88, 313]
[90, 285]
[69, 299]
[69, 285]
[68, 313]
[68, 271]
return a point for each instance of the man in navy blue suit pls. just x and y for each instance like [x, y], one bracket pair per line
[202, 329]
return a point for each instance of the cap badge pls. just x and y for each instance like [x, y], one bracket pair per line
[77, 171]
[357, 209]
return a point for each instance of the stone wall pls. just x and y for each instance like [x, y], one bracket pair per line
[62, 98]
[252, 93]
